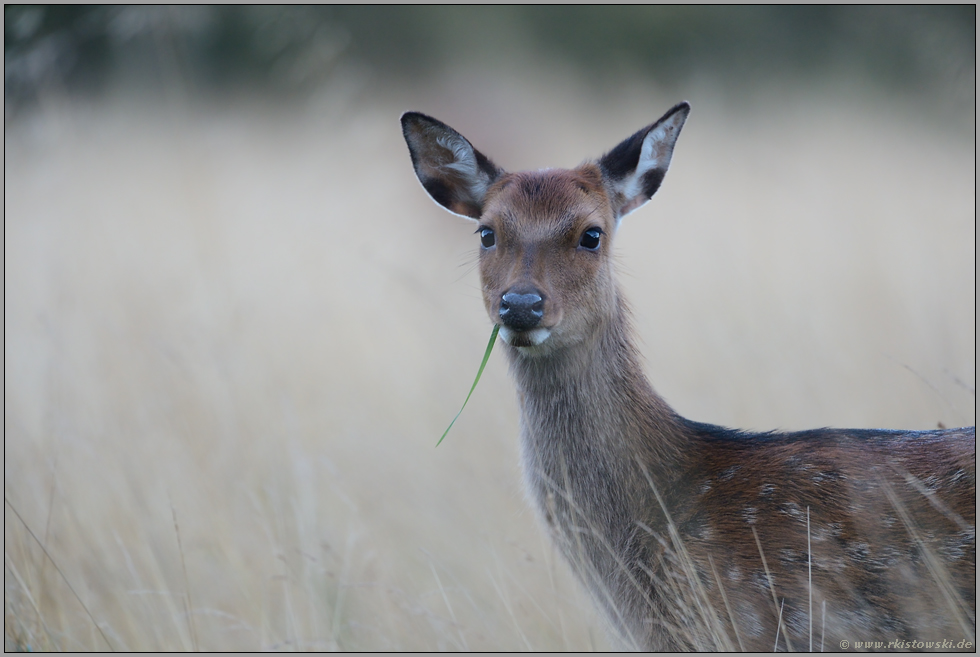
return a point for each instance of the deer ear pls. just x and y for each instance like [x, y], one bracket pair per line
[454, 174]
[634, 169]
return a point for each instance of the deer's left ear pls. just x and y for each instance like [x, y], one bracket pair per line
[634, 169]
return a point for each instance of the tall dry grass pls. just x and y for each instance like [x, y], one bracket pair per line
[233, 334]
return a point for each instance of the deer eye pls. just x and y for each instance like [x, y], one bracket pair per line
[487, 238]
[590, 239]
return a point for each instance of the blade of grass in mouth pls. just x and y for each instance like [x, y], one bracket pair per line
[479, 373]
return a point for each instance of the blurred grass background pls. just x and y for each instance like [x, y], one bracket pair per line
[235, 325]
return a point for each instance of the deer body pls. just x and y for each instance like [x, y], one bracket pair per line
[690, 535]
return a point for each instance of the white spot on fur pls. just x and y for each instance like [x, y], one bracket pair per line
[792, 509]
[788, 556]
[819, 533]
[859, 552]
[728, 474]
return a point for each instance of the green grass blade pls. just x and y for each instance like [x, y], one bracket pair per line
[479, 373]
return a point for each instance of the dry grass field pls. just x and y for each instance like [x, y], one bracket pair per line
[233, 333]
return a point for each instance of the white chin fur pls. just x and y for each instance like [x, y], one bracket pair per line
[520, 339]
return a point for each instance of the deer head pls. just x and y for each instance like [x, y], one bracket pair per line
[545, 236]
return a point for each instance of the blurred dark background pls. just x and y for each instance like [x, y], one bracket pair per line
[288, 51]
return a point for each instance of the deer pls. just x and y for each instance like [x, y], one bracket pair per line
[689, 535]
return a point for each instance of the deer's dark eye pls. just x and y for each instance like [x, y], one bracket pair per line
[487, 238]
[590, 239]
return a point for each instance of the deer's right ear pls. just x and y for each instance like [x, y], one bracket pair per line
[455, 174]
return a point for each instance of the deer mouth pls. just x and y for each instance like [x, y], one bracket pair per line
[524, 338]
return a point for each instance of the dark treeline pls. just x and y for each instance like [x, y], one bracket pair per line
[284, 50]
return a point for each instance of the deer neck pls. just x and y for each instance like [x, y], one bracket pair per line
[588, 411]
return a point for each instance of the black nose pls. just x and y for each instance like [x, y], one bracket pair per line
[521, 311]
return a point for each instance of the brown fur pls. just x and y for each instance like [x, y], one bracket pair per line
[692, 536]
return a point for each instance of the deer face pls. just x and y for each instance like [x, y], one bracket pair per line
[545, 236]
[545, 240]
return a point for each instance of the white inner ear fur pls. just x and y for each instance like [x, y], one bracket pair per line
[464, 163]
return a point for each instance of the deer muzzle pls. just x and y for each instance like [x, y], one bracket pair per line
[521, 312]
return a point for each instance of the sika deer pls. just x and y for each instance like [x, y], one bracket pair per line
[691, 535]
